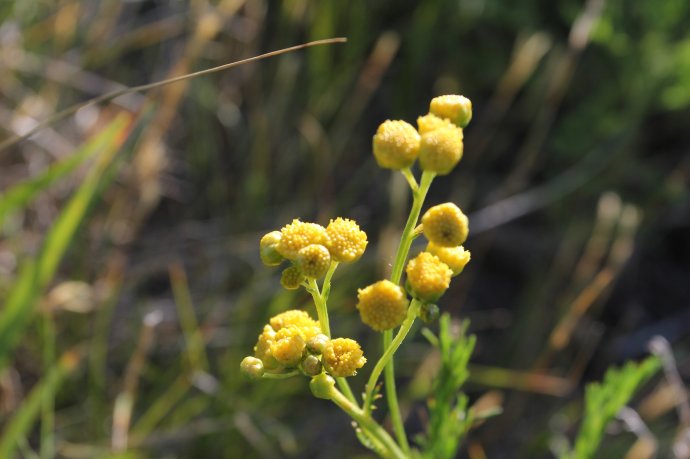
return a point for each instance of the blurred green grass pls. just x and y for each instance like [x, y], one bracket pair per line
[572, 100]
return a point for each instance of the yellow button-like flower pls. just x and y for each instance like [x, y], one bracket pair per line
[396, 145]
[382, 305]
[298, 235]
[342, 357]
[455, 257]
[431, 122]
[346, 241]
[440, 150]
[288, 346]
[313, 261]
[445, 225]
[291, 278]
[267, 249]
[428, 277]
[456, 108]
[298, 319]
[262, 349]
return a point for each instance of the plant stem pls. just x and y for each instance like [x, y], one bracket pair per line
[391, 396]
[326, 290]
[388, 354]
[368, 425]
[48, 400]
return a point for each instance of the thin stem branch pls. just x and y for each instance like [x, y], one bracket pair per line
[320, 305]
[391, 396]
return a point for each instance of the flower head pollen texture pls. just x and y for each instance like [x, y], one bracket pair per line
[313, 261]
[456, 108]
[396, 144]
[445, 225]
[428, 277]
[288, 346]
[298, 235]
[431, 122]
[455, 257]
[301, 320]
[262, 349]
[346, 242]
[382, 305]
[342, 357]
[291, 278]
[441, 149]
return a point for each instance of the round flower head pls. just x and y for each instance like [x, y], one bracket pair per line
[428, 277]
[311, 365]
[298, 235]
[291, 278]
[456, 108]
[455, 257]
[441, 150]
[445, 225]
[346, 241]
[431, 122]
[288, 346]
[396, 145]
[252, 367]
[267, 249]
[382, 305]
[300, 320]
[313, 261]
[262, 349]
[343, 357]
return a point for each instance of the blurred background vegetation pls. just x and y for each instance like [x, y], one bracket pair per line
[129, 269]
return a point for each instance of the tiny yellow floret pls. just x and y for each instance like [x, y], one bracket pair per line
[428, 277]
[298, 235]
[382, 305]
[455, 257]
[291, 278]
[342, 357]
[445, 225]
[262, 349]
[288, 346]
[396, 144]
[301, 320]
[267, 249]
[441, 150]
[346, 241]
[456, 108]
[431, 122]
[313, 261]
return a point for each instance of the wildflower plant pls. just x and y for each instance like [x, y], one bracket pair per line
[294, 343]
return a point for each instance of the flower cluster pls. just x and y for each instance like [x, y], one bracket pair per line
[292, 340]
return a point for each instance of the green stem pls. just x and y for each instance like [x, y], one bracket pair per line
[388, 354]
[326, 290]
[280, 375]
[391, 396]
[368, 425]
[410, 179]
[48, 403]
[320, 305]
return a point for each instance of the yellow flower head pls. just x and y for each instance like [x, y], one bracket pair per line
[298, 235]
[313, 261]
[428, 277]
[262, 350]
[346, 241]
[441, 150]
[455, 257]
[396, 145]
[342, 357]
[382, 305]
[267, 249]
[445, 225]
[431, 122]
[456, 108]
[288, 346]
[298, 319]
[291, 278]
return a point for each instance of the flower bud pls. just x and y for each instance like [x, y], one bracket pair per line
[298, 235]
[456, 108]
[317, 344]
[382, 305]
[313, 261]
[267, 249]
[252, 367]
[427, 277]
[322, 386]
[396, 145]
[440, 150]
[455, 257]
[291, 278]
[346, 242]
[445, 225]
[428, 312]
[311, 365]
[343, 357]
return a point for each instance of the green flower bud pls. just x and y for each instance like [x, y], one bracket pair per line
[267, 249]
[291, 278]
[252, 367]
[322, 386]
[311, 365]
[318, 343]
[429, 313]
